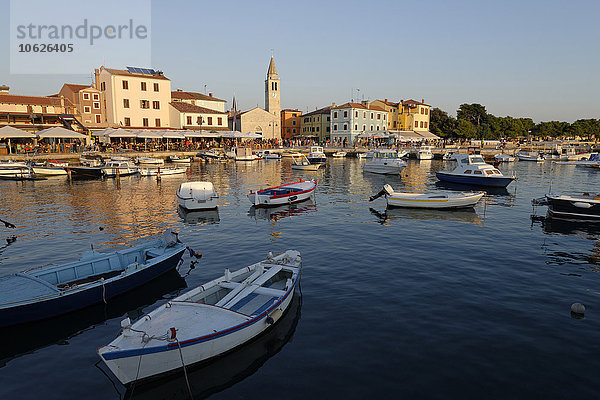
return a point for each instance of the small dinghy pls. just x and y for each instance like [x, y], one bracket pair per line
[179, 160]
[339, 154]
[428, 200]
[205, 322]
[162, 171]
[197, 196]
[504, 158]
[149, 161]
[303, 164]
[47, 292]
[284, 194]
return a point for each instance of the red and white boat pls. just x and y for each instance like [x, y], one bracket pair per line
[284, 194]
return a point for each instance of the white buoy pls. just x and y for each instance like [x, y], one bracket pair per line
[578, 308]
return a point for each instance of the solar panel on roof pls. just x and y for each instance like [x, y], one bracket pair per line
[136, 70]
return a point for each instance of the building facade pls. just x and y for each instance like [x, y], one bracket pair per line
[199, 99]
[413, 115]
[290, 123]
[135, 99]
[256, 120]
[184, 115]
[317, 124]
[392, 112]
[352, 119]
[88, 102]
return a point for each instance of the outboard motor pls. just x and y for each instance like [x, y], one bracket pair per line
[387, 190]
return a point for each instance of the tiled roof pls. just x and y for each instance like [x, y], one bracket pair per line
[389, 103]
[361, 106]
[75, 87]
[36, 100]
[413, 103]
[190, 108]
[127, 73]
[319, 111]
[377, 108]
[192, 96]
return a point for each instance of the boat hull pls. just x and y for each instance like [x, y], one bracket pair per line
[70, 301]
[264, 199]
[392, 169]
[573, 208]
[90, 172]
[49, 171]
[411, 200]
[113, 172]
[195, 205]
[473, 180]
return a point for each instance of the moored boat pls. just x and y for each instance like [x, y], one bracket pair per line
[585, 206]
[428, 200]
[472, 170]
[149, 161]
[205, 322]
[179, 160]
[269, 155]
[47, 169]
[162, 171]
[425, 153]
[504, 158]
[119, 168]
[384, 162]
[529, 156]
[339, 154]
[316, 155]
[303, 164]
[97, 277]
[284, 194]
[197, 196]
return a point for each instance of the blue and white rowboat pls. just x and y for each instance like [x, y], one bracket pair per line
[205, 322]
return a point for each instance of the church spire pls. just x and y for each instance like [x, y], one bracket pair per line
[272, 72]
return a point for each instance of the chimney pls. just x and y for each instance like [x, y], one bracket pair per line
[180, 90]
[423, 101]
[385, 100]
[62, 100]
[210, 95]
[332, 104]
[4, 89]
[96, 78]
[365, 103]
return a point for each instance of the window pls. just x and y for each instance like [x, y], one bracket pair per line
[125, 85]
[421, 124]
[328, 118]
[489, 172]
[156, 105]
[189, 120]
[220, 121]
[275, 85]
[143, 84]
[468, 171]
[125, 103]
[364, 114]
[478, 172]
[425, 124]
[328, 129]
[318, 129]
[127, 121]
[98, 120]
[422, 111]
[87, 109]
[199, 121]
[102, 86]
[144, 104]
[86, 96]
[294, 123]
[384, 117]
[371, 115]
[426, 111]
[96, 96]
[364, 127]
[209, 120]
[355, 127]
[97, 105]
[145, 121]
[44, 109]
[345, 127]
[335, 114]
[378, 116]
[157, 122]
[371, 127]
[345, 114]
[355, 114]
[294, 131]
[156, 87]
[335, 127]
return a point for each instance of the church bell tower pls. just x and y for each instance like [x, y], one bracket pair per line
[272, 99]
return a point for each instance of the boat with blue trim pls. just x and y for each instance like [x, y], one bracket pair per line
[473, 170]
[206, 322]
[289, 193]
[97, 277]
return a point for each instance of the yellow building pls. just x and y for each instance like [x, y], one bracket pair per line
[317, 124]
[413, 116]
[392, 110]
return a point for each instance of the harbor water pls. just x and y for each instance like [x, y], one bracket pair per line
[394, 303]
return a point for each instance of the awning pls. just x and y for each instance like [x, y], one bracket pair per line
[9, 132]
[414, 135]
[240, 135]
[148, 135]
[60, 132]
[121, 133]
[173, 135]
[201, 134]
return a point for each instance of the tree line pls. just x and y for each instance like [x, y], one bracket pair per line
[474, 122]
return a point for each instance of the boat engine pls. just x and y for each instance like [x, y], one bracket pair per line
[387, 190]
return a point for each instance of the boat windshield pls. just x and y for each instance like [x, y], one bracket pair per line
[477, 159]
[386, 155]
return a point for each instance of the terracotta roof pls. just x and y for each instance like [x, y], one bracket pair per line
[319, 111]
[413, 103]
[127, 73]
[377, 108]
[75, 87]
[190, 108]
[192, 96]
[388, 103]
[361, 106]
[36, 100]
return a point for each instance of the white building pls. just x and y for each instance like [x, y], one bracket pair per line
[184, 115]
[136, 97]
[351, 119]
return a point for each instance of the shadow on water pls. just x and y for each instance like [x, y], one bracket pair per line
[223, 372]
[204, 217]
[566, 226]
[25, 338]
[495, 191]
[466, 215]
[277, 213]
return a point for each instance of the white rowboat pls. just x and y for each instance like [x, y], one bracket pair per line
[428, 200]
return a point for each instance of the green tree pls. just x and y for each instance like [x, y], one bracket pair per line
[473, 113]
[440, 123]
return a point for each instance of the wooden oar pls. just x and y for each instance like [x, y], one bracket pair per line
[7, 224]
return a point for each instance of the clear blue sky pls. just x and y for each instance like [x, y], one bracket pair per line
[533, 58]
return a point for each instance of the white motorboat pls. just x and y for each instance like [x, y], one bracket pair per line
[591, 161]
[13, 170]
[150, 161]
[269, 155]
[473, 170]
[46, 169]
[403, 154]
[529, 156]
[162, 171]
[205, 322]
[449, 155]
[91, 159]
[284, 194]
[179, 160]
[428, 200]
[425, 153]
[212, 154]
[197, 196]
[303, 164]
[290, 153]
[504, 158]
[119, 168]
[361, 155]
[384, 162]
[339, 154]
[316, 155]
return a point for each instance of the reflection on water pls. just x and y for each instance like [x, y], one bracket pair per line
[277, 213]
[214, 376]
[25, 338]
[467, 215]
[204, 217]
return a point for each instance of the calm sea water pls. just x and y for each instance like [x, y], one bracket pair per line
[396, 303]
